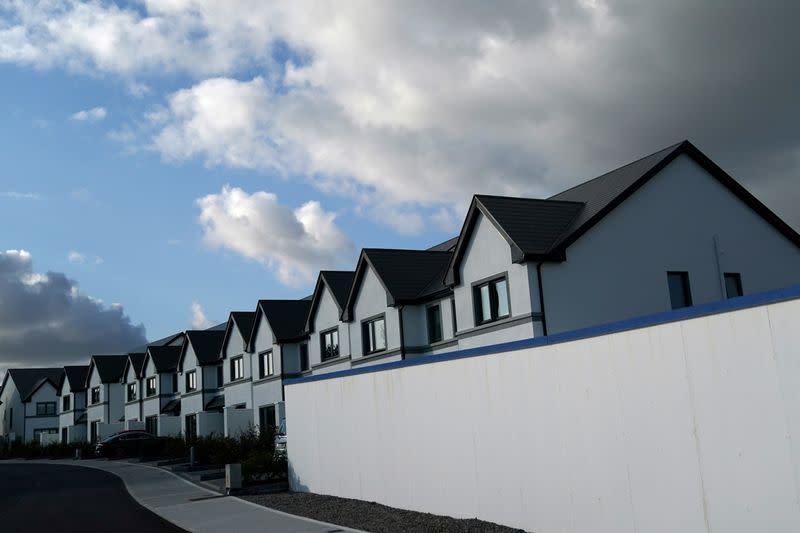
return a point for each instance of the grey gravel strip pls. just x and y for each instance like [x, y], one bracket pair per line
[370, 516]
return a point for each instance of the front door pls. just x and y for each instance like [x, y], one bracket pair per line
[191, 427]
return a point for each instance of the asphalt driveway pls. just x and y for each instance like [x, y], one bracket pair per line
[41, 497]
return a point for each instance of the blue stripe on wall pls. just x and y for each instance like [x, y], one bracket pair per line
[713, 308]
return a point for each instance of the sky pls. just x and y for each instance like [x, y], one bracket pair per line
[164, 162]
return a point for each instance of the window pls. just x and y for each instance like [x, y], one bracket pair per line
[329, 344]
[95, 395]
[132, 392]
[45, 408]
[490, 300]
[237, 368]
[453, 313]
[266, 417]
[265, 365]
[66, 403]
[175, 382]
[219, 376]
[64, 436]
[373, 333]
[680, 295]
[434, 315]
[37, 433]
[150, 386]
[191, 381]
[304, 357]
[151, 425]
[733, 284]
[93, 430]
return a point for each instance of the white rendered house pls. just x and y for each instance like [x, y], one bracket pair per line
[29, 404]
[200, 383]
[105, 410]
[72, 404]
[277, 344]
[237, 373]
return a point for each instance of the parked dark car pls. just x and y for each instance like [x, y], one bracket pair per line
[125, 443]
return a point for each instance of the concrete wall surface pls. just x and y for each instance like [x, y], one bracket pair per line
[686, 421]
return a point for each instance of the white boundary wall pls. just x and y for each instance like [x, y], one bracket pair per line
[689, 426]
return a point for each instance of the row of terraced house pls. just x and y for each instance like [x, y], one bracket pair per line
[669, 230]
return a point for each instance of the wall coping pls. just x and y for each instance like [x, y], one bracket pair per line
[712, 308]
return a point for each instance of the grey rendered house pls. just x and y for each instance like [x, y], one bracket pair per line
[279, 349]
[328, 348]
[399, 306]
[105, 409]
[29, 404]
[132, 380]
[200, 383]
[161, 403]
[72, 404]
[237, 373]
[669, 230]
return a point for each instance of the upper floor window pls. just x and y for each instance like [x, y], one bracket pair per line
[95, 395]
[434, 317]
[265, 364]
[45, 408]
[733, 284]
[329, 344]
[150, 386]
[132, 392]
[219, 376]
[191, 380]
[66, 403]
[680, 294]
[373, 333]
[490, 300]
[237, 368]
[304, 357]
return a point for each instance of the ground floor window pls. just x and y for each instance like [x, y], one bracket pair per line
[151, 425]
[64, 435]
[93, 427]
[37, 433]
[266, 416]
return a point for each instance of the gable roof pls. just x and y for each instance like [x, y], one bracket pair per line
[109, 367]
[408, 276]
[447, 246]
[28, 380]
[165, 358]
[169, 339]
[136, 360]
[243, 322]
[206, 344]
[542, 230]
[338, 282]
[287, 319]
[75, 377]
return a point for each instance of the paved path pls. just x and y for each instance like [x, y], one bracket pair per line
[197, 509]
[48, 497]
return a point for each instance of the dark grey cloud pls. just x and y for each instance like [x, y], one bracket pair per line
[45, 320]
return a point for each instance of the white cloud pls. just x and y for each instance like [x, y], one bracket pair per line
[78, 258]
[14, 195]
[90, 115]
[417, 105]
[295, 243]
[199, 319]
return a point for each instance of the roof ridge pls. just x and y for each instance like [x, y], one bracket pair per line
[529, 199]
[407, 250]
[671, 147]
